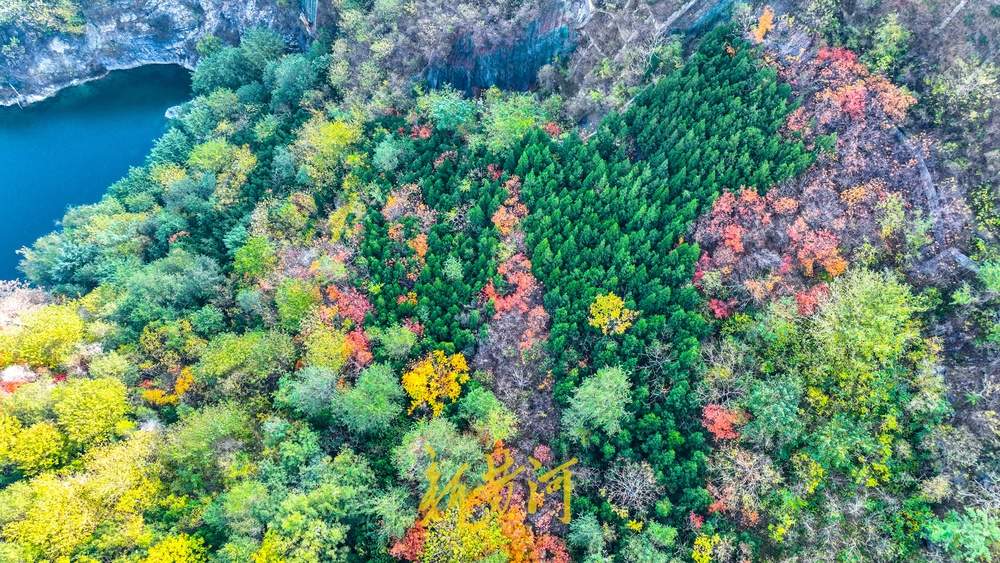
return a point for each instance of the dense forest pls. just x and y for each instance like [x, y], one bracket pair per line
[741, 307]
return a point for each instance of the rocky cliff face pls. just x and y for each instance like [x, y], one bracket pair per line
[513, 62]
[129, 33]
[470, 44]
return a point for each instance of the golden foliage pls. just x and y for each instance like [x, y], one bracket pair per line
[181, 548]
[609, 314]
[167, 175]
[451, 540]
[703, 546]
[326, 347]
[764, 24]
[10, 426]
[57, 515]
[39, 447]
[158, 397]
[184, 381]
[435, 378]
[232, 177]
[230, 164]
[46, 337]
[419, 246]
[91, 411]
[323, 144]
[345, 218]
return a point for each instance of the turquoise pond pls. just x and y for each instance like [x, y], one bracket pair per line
[68, 149]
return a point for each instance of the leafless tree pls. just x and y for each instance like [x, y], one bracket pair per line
[631, 485]
[739, 480]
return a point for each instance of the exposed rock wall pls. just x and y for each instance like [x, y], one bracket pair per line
[617, 35]
[512, 67]
[129, 33]
[471, 44]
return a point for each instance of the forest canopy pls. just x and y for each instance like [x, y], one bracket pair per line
[710, 325]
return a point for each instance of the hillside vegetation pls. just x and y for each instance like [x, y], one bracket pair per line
[448, 328]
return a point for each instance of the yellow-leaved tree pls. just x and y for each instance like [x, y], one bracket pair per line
[46, 337]
[180, 548]
[609, 314]
[87, 413]
[230, 164]
[56, 515]
[434, 378]
[91, 411]
[322, 146]
[764, 24]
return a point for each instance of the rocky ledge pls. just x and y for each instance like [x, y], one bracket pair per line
[123, 34]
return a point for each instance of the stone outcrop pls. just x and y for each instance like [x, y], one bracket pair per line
[473, 47]
[124, 34]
